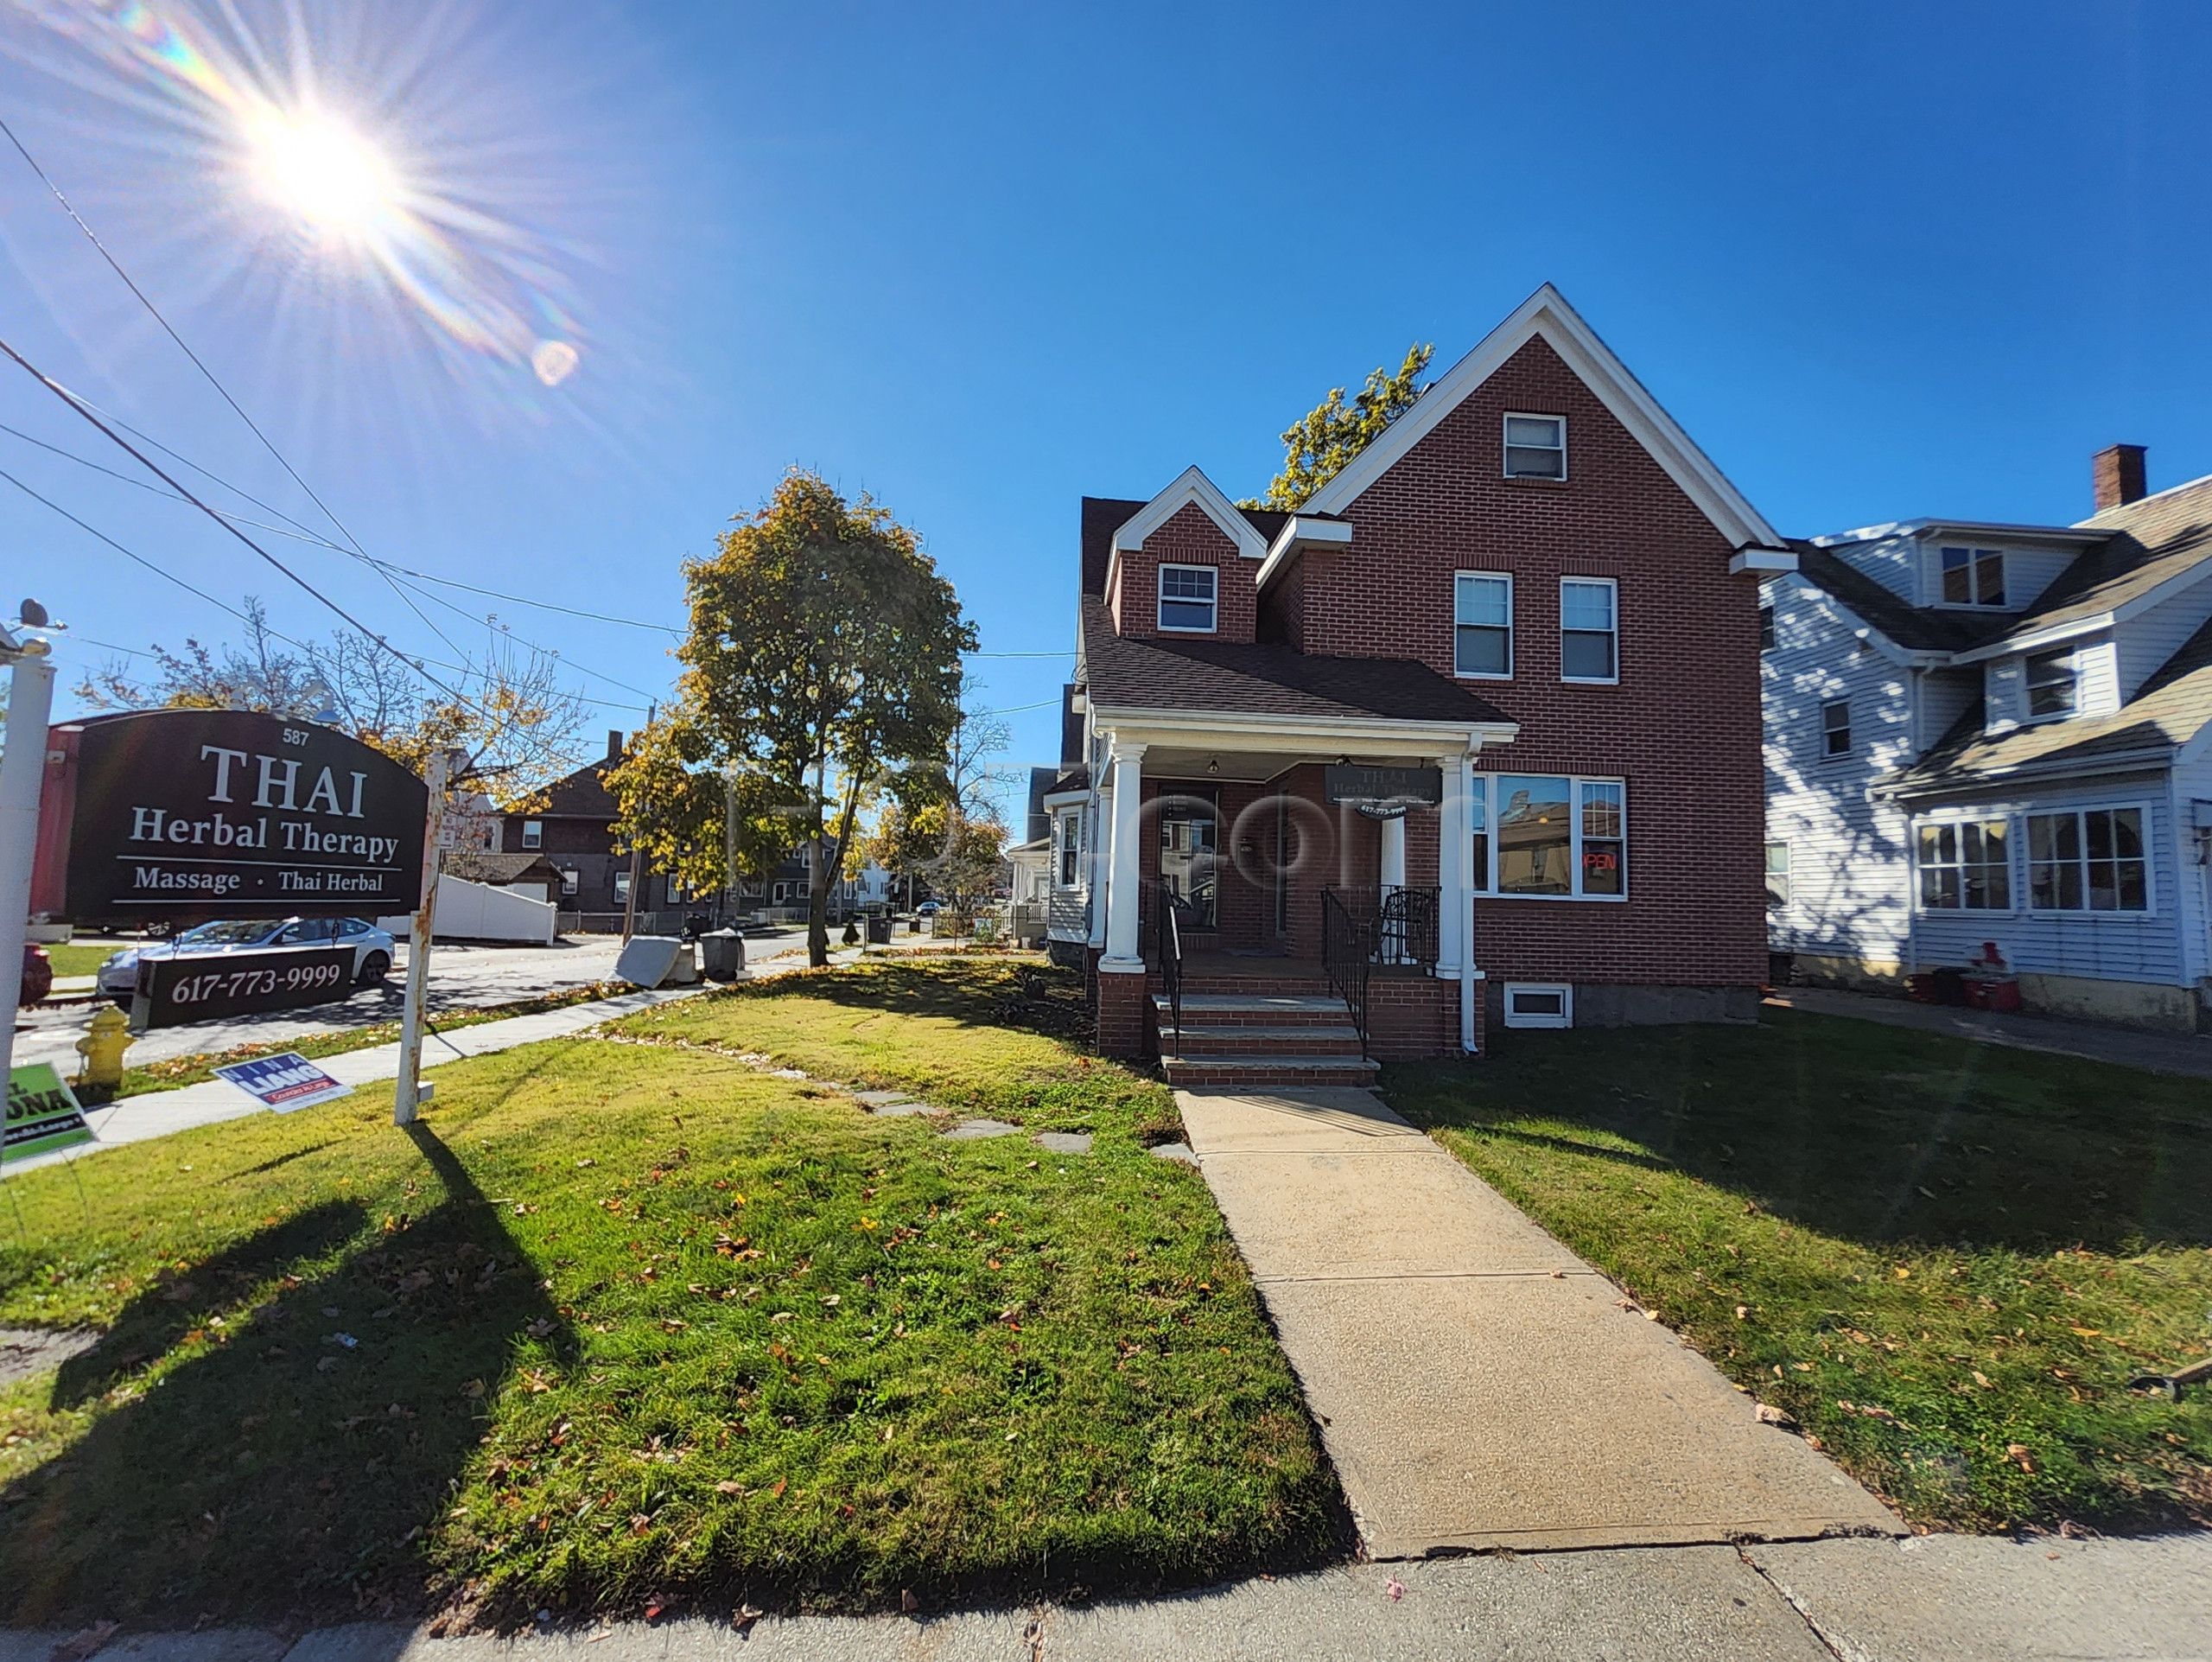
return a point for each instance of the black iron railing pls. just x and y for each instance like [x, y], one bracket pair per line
[1348, 942]
[1168, 954]
[1363, 927]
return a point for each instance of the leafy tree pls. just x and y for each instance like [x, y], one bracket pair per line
[926, 830]
[1325, 440]
[707, 829]
[824, 649]
[518, 729]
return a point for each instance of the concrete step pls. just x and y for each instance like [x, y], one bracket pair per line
[1256, 1010]
[1234, 1039]
[1268, 1072]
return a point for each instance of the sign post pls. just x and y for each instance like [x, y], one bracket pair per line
[22, 767]
[407, 1090]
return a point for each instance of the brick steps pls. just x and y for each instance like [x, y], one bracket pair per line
[1260, 1036]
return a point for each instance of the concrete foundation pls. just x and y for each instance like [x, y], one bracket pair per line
[1850, 972]
[2124, 1004]
[1619, 1004]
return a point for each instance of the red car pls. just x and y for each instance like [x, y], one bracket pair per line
[38, 975]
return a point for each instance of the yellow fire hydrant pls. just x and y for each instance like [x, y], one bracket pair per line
[102, 1049]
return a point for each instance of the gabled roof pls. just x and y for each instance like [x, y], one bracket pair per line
[1194, 677]
[2174, 706]
[1915, 628]
[1546, 314]
[581, 795]
[1104, 515]
[1191, 488]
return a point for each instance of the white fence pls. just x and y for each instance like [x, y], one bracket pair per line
[470, 911]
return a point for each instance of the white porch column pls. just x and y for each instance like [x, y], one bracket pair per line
[1391, 873]
[1122, 951]
[1454, 864]
[1093, 863]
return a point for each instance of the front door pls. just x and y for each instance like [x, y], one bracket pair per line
[1189, 836]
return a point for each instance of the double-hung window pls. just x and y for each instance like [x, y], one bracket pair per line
[1974, 576]
[1777, 873]
[1589, 629]
[1070, 848]
[1187, 598]
[2088, 860]
[1535, 447]
[1835, 729]
[1766, 629]
[533, 833]
[2053, 685]
[1552, 836]
[1483, 624]
[1965, 865]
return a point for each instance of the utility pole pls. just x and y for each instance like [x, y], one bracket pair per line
[22, 770]
[630, 899]
[408, 1091]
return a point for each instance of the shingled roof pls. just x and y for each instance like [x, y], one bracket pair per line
[1104, 515]
[1917, 628]
[1269, 680]
[2172, 708]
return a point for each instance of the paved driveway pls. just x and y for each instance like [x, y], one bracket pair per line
[1477, 1384]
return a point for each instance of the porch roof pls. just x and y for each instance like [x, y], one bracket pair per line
[1230, 679]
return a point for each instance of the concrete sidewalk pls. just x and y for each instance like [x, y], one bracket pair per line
[2185, 1053]
[1938, 1599]
[1477, 1384]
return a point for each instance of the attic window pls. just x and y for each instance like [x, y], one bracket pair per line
[2051, 686]
[1535, 447]
[1974, 576]
[1186, 598]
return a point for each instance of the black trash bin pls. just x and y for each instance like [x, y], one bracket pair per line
[721, 954]
[879, 929]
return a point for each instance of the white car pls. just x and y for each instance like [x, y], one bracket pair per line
[119, 977]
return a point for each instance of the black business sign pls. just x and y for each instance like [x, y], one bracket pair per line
[1411, 787]
[215, 986]
[183, 813]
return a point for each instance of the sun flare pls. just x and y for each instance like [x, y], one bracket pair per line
[317, 167]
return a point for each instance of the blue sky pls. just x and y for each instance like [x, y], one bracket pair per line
[1880, 261]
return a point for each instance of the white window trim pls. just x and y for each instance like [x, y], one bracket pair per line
[1160, 598]
[1512, 628]
[1850, 752]
[2150, 863]
[533, 834]
[1768, 874]
[1506, 426]
[1486, 881]
[2005, 562]
[1564, 1019]
[2016, 863]
[1613, 680]
[2028, 717]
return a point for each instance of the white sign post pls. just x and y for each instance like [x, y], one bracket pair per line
[407, 1089]
[22, 770]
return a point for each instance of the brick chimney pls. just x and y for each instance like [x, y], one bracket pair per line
[2116, 472]
[614, 733]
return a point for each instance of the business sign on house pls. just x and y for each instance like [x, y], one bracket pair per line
[175, 992]
[1384, 792]
[184, 813]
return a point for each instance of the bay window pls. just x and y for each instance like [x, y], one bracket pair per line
[1965, 865]
[1554, 837]
[2088, 860]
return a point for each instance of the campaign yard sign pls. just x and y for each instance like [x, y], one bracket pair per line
[43, 1113]
[283, 1083]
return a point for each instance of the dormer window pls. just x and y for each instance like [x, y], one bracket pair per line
[1974, 576]
[2054, 687]
[1535, 447]
[1188, 598]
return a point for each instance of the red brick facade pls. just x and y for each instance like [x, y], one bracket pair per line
[1189, 538]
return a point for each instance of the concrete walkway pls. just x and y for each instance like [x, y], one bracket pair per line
[2186, 1053]
[1941, 1599]
[1477, 1384]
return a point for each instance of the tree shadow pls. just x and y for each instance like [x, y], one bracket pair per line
[277, 1471]
[1869, 1133]
[1025, 994]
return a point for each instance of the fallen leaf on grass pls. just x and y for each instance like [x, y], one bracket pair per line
[1394, 1589]
[729, 1485]
[1770, 1415]
[2017, 1454]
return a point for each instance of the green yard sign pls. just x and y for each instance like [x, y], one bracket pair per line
[42, 1114]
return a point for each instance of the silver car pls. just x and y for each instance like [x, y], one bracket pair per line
[372, 947]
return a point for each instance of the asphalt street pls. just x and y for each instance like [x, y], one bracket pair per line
[461, 978]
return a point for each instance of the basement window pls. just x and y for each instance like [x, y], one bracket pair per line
[1539, 1005]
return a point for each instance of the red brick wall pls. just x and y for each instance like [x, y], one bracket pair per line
[1124, 1017]
[1189, 538]
[1682, 726]
[1412, 1016]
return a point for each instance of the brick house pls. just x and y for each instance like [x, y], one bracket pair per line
[574, 831]
[1472, 740]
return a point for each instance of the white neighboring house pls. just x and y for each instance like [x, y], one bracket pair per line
[1986, 733]
[1033, 871]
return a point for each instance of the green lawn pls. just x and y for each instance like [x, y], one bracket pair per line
[1946, 1259]
[640, 1326]
[80, 958]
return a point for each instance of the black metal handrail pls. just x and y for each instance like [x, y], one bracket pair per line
[1348, 945]
[1168, 952]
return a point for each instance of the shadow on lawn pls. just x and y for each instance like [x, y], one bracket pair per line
[1860, 1131]
[278, 1470]
[979, 993]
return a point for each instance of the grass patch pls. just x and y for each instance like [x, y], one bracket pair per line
[953, 1031]
[636, 1325]
[80, 958]
[1945, 1258]
[179, 1071]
